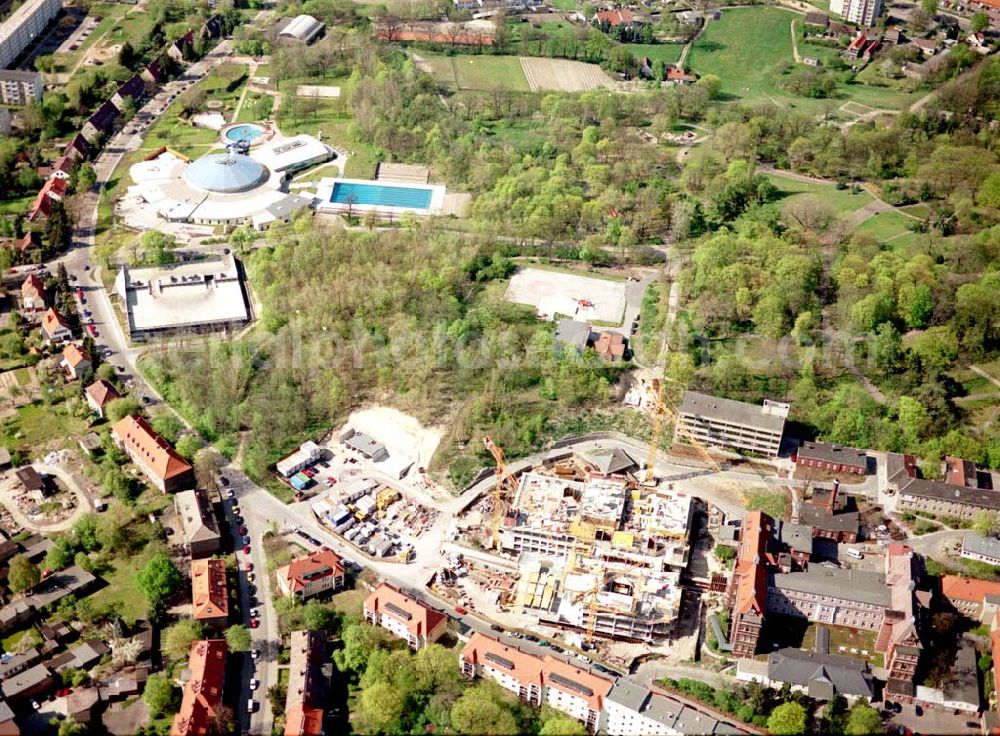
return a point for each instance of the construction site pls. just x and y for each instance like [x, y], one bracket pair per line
[594, 547]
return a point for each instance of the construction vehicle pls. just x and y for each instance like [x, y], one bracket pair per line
[503, 488]
[386, 497]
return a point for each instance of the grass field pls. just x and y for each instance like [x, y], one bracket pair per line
[16, 206]
[256, 107]
[888, 227]
[37, 425]
[478, 72]
[748, 49]
[668, 53]
[842, 200]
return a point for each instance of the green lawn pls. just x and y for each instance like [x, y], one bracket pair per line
[38, 425]
[770, 502]
[668, 53]
[133, 28]
[478, 72]
[121, 594]
[842, 200]
[16, 206]
[749, 49]
[887, 226]
[256, 107]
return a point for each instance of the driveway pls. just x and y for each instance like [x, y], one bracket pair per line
[83, 505]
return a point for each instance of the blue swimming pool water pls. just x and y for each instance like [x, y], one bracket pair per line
[381, 195]
[244, 133]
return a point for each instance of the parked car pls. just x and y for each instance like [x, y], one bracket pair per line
[251, 577]
[254, 683]
[243, 530]
[246, 549]
[254, 613]
[460, 611]
[249, 566]
[254, 653]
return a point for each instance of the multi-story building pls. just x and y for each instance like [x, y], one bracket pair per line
[156, 458]
[733, 424]
[854, 598]
[748, 588]
[54, 326]
[943, 499]
[968, 595]
[861, 12]
[24, 26]
[404, 617]
[20, 87]
[209, 592]
[831, 458]
[311, 574]
[831, 515]
[308, 677]
[577, 692]
[513, 669]
[200, 529]
[201, 700]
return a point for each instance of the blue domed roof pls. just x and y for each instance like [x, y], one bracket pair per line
[225, 172]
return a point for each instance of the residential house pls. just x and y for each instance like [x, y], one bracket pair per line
[201, 699]
[403, 616]
[831, 515]
[8, 726]
[99, 394]
[157, 459]
[82, 702]
[968, 595]
[152, 73]
[63, 167]
[19, 662]
[981, 549]
[311, 574]
[134, 89]
[75, 361]
[181, 46]
[734, 424]
[78, 148]
[101, 123]
[615, 18]
[209, 593]
[308, 679]
[30, 242]
[674, 74]
[611, 346]
[893, 36]
[33, 294]
[978, 42]
[200, 529]
[30, 683]
[84, 655]
[53, 190]
[54, 327]
[30, 480]
[832, 458]
[857, 46]
[928, 46]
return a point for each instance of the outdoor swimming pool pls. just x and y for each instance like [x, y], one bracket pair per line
[381, 195]
[244, 132]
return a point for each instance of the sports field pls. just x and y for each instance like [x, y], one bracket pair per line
[750, 48]
[477, 71]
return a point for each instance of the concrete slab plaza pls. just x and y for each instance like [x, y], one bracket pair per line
[553, 292]
[317, 90]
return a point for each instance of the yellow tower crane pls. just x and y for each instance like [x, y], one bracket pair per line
[502, 487]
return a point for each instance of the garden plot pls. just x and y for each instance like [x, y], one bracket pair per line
[562, 75]
[552, 293]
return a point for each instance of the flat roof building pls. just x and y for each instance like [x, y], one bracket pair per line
[23, 26]
[203, 296]
[20, 87]
[733, 424]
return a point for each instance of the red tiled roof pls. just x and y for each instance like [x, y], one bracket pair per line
[751, 569]
[961, 588]
[203, 692]
[52, 189]
[422, 619]
[135, 433]
[32, 287]
[577, 682]
[52, 321]
[301, 720]
[483, 650]
[208, 589]
[75, 355]
[610, 345]
[616, 17]
[102, 393]
[302, 570]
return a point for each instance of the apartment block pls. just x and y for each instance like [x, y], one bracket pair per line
[748, 588]
[943, 499]
[308, 676]
[24, 26]
[404, 617]
[209, 592]
[312, 574]
[20, 87]
[860, 12]
[736, 425]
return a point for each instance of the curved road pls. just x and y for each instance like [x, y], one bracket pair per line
[82, 500]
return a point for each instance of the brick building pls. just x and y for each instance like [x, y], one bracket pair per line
[832, 458]
[157, 459]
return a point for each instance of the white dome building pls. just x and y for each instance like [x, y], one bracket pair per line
[302, 28]
[226, 173]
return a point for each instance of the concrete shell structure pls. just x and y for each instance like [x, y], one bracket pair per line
[225, 173]
[302, 28]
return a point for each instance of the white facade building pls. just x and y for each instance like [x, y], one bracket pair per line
[859, 12]
[24, 26]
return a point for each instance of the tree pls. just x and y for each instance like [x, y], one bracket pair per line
[482, 710]
[788, 719]
[930, 7]
[985, 523]
[207, 464]
[168, 426]
[158, 579]
[178, 637]
[24, 574]
[85, 177]
[980, 21]
[238, 638]
[381, 707]
[562, 726]
[188, 446]
[120, 408]
[862, 720]
[158, 694]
